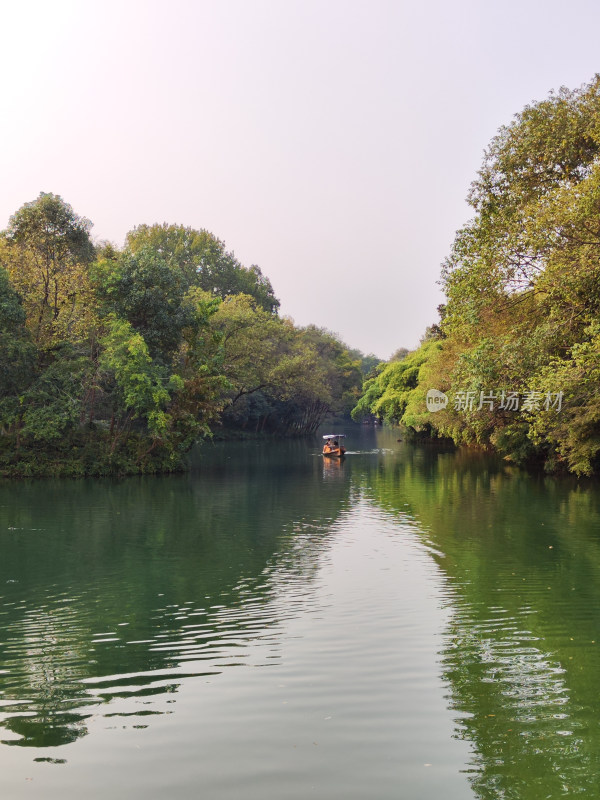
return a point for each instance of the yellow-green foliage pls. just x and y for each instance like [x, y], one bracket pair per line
[522, 284]
[119, 360]
[387, 395]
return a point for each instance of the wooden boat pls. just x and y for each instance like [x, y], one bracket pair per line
[332, 447]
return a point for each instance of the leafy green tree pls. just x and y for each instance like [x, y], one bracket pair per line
[570, 434]
[533, 170]
[367, 362]
[522, 284]
[280, 378]
[387, 394]
[52, 405]
[252, 342]
[143, 387]
[203, 261]
[118, 361]
[18, 362]
[201, 397]
[341, 371]
[143, 289]
[47, 249]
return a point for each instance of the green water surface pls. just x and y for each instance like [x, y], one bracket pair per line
[408, 623]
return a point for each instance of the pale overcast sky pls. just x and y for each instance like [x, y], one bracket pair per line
[332, 143]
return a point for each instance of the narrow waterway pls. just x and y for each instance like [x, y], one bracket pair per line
[405, 623]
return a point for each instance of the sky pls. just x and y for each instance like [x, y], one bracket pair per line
[332, 142]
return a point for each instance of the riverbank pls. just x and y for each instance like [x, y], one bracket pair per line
[85, 455]
[89, 453]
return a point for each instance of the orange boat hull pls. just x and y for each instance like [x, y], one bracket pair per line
[334, 452]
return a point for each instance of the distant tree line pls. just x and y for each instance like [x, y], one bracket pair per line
[517, 347]
[119, 360]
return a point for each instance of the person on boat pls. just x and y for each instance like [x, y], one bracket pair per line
[332, 446]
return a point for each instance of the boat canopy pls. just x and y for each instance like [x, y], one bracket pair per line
[334, 436]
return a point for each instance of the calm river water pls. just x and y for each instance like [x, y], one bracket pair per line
[409, 623]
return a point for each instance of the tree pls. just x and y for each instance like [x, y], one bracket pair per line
[280, 378]
[341, 370]
[399, 354]
[46, 253]
[143, 289]
[143, 387]
[523, 287]
[203, 261]
[51, 407]
[17, 354]
[570, 435]
[251, 340]
[387, 394]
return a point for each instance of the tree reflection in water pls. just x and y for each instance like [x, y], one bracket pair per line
[115, 592]
[521, 557]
